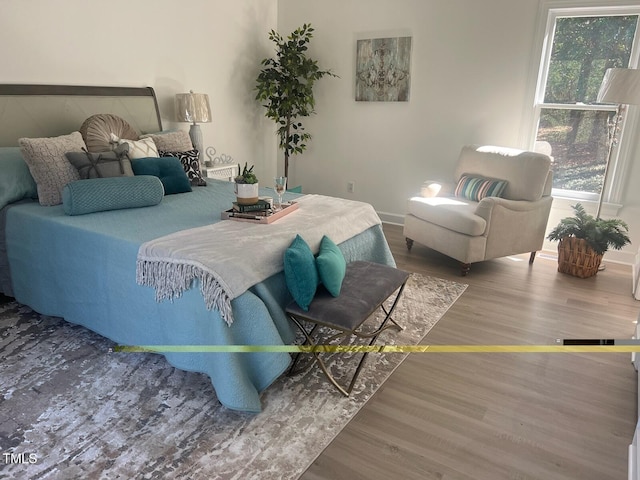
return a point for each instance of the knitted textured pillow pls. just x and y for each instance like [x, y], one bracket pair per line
[172, 141]
[49, 166]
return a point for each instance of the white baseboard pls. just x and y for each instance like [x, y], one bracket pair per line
[391, 218]
[612, 256]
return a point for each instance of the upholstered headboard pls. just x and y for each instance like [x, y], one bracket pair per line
[50, 110]
[37, 111]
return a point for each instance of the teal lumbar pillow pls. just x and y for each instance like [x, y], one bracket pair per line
[300, 273]
[331, 265]
[111, 193]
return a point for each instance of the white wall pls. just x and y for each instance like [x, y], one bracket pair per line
[474, 64]
[209, 46]
[470, 61]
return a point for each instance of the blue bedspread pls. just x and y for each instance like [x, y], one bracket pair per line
[83, 268]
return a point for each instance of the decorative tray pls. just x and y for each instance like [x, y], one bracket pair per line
[259, 217]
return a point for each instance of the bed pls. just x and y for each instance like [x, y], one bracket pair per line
[83, 267]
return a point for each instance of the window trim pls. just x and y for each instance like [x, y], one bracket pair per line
[548, 12]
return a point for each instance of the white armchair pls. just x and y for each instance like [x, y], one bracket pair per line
[454, 219]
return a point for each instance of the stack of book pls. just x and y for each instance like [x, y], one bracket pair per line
[260, 212]
[261, 208]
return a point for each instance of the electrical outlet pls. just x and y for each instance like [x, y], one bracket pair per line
[351, 186]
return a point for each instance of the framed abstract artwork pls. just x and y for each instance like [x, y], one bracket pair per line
[383, 69]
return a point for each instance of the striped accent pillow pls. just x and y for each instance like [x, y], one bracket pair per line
[476, 188]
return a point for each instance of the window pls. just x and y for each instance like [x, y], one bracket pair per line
[580, 45]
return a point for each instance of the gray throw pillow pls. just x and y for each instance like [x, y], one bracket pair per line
[115, 163]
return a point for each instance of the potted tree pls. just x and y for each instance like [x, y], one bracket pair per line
[246, 186]
[285, 84]
[585, 239]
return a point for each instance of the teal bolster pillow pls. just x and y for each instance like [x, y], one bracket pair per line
[476, 188]
[168, 169]
[331, 265]
[300, 272]
[111, 193]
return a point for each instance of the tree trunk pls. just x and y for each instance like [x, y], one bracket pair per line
[286, 163]
[286, 148]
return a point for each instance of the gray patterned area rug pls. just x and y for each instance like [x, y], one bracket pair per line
[69, 409]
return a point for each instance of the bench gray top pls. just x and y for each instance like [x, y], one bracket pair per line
[365, 287]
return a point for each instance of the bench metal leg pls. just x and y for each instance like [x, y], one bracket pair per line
[376, 334]
[308, 341]
[317, 349]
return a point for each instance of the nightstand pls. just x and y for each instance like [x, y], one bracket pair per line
[221, 172]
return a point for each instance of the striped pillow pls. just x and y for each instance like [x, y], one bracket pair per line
[476, 188]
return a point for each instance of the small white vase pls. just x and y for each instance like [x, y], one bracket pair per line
[246, 193]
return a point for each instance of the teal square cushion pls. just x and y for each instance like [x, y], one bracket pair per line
[300, 273]
[168, 169]
[16, 181]
[331, 266]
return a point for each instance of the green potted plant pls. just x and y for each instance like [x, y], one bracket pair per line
[246, 185]
[585, 239]
[285, 84]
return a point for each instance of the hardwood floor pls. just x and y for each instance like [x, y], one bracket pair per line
[502, 415]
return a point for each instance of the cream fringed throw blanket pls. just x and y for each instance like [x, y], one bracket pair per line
[229, 257]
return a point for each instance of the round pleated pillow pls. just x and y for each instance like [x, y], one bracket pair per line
[97, 129]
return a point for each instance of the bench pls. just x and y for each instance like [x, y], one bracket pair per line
[365, 288]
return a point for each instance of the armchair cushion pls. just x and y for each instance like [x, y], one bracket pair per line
[451, 213]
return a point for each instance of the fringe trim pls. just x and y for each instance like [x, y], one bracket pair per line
[170, 280]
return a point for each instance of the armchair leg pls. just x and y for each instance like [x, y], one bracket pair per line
[532, 257]
[409, 243]
[464, 269]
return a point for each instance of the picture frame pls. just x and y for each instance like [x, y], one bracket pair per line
[383, 69]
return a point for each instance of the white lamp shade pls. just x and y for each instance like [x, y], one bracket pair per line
[193, 107]
[620, 86]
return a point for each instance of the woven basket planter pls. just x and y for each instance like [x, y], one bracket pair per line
[577, 258]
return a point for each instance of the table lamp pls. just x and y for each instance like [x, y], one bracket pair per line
[194, 108]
